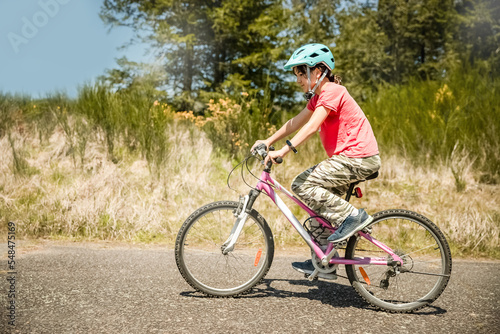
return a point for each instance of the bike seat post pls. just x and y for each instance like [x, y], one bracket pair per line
[349, 192]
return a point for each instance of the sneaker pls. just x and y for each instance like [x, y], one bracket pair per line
[351, 225]
[307, 267]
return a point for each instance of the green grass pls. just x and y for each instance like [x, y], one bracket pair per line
[455, 120]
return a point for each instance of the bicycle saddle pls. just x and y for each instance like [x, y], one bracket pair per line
[373, 176]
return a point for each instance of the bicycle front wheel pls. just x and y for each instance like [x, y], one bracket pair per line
[199, 252]
[426, 265]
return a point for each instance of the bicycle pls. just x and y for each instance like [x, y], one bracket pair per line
[226, 248]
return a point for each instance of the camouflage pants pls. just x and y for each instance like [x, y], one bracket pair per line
[321, 186]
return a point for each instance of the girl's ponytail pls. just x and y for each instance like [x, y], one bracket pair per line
[335, 78]
[331, 77]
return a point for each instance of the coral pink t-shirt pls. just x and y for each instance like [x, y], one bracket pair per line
[346, 129]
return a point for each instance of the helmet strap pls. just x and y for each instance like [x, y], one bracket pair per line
[308, 78]
[310, 92]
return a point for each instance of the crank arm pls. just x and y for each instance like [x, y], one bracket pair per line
[314, 275]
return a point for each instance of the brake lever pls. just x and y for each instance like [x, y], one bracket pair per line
[263, 155]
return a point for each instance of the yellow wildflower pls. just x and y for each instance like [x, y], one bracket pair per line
[443, 93]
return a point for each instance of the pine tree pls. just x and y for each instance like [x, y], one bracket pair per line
[206, 45]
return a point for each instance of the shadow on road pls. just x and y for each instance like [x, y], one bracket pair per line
[329, 293]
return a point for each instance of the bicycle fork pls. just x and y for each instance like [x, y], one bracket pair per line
[241, 214]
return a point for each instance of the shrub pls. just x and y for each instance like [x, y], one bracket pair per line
[234, 126]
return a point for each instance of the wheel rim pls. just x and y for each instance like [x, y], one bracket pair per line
[423, 254]
[204, 261]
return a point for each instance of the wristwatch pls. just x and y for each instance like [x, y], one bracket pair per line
[289, 143]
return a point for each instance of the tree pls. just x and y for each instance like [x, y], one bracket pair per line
[477, 34]
[131, 75]
[361, 55]
[398, 40]
[417, 32]
[204, 43]
[209, 47]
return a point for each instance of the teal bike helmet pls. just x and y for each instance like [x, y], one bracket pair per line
[311, 55]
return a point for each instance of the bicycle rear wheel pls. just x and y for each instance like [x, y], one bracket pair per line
[199, 255]
[422, 277]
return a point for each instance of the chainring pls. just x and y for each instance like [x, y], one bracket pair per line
[329, 268]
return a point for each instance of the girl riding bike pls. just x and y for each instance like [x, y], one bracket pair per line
[398, 260]
[347, 138]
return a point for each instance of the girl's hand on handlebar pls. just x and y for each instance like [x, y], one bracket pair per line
[265, 142]
[272, 155]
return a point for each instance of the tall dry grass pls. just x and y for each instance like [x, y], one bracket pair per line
[102, 199]
[125, 201]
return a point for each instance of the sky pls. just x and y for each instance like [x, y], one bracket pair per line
[57, 45]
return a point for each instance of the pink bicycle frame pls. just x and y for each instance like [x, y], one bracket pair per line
[326, 256]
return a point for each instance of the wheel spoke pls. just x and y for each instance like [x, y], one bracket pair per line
[418, 250]
[420, 273]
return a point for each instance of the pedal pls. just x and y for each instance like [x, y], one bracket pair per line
[367, 230]
[311, 279]
[340, 244]
[314, 275]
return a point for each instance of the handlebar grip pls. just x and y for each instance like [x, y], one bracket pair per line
[261, 150]
[270, 163]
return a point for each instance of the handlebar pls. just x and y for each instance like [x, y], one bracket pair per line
[261, 150]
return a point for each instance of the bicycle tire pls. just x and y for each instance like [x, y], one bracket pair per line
[199, 255]
[415, 237]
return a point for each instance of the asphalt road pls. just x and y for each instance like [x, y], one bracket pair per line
[89, 288]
